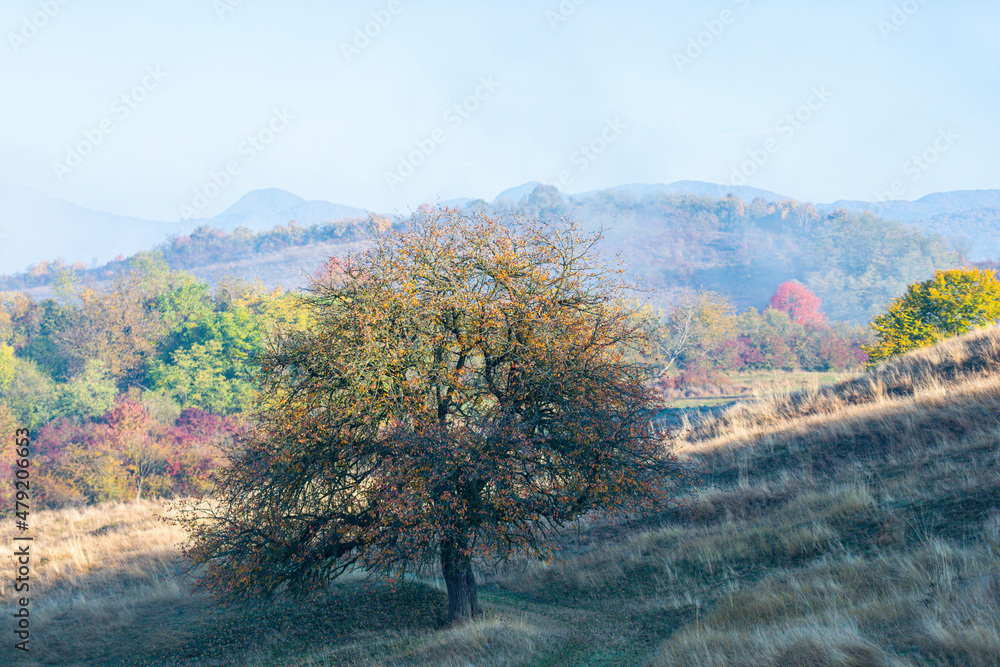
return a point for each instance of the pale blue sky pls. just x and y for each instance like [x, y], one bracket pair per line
[557, 84]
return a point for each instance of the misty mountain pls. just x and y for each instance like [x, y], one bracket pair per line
[36, 228]
[692, 188]
[926, 207]
[970, 217]
[674, 243]
[514, 196]
[263, 209]
[684, 224]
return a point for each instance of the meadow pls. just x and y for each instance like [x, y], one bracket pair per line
[854, 523]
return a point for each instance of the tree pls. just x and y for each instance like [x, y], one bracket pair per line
[730, 209]
[202, 359]
[6, 365]
[544, 201]
[463, 392]
[31, 395]
[949, 304]
[119, 326]
[799, 302]
[129, 424]
[693, 328]
[89, 393]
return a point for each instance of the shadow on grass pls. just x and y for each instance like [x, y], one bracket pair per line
[184, 629]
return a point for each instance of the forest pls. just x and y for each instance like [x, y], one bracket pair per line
[132, 391]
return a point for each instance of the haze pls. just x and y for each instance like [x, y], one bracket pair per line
[835, 100]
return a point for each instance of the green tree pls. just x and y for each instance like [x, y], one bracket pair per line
[31, 395]
[202, 376]
[41, 331]
[88, 393]
[464, 389]
[203, 360]
[951, 303]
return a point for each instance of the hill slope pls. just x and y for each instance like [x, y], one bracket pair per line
[857, 524]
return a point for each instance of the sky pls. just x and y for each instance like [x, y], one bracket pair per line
[164, 109]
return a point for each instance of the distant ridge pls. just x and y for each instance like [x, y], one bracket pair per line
[35, 228]
[926, 207]
[263, 209]
[693, 188]
[514, 195]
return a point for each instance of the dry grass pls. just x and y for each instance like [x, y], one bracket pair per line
[857, 524]
[750, 384]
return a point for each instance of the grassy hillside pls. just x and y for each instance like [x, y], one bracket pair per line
[854, 524]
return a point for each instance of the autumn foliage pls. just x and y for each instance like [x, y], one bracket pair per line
[463, 391]
[949, 304]
[799, 302]
[127, 454]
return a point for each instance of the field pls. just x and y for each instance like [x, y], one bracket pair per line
[856, 523]
[754, 384]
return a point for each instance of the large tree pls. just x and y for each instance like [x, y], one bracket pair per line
[801, 304]
[464, 391]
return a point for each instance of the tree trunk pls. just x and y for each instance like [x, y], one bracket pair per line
[461, 583]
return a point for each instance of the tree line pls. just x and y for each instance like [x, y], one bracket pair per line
[856, 263]
[702, 337]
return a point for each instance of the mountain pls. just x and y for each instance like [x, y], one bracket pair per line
[263, 209]
[35, 228]
[926, 207]
[693, 188]
[970, 215]
[514, 195]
